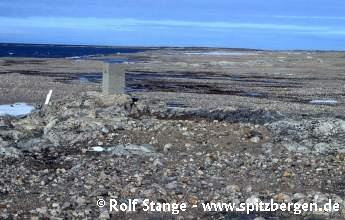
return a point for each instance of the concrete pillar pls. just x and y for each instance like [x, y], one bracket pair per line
[113, 79]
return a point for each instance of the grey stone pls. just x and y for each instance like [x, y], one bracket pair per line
[167, 147]
[232, 188]
[298, 196]
[12, 134]
[35, 144]
[104, 214]
[253, 200]
[172, 185]
[113, 79]
[320, 198]
[255, 139]
[9, 151]
[322, 148]
[50, 125]
[317, 135]
[132, 149]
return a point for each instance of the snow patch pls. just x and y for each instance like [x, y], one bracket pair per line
[16, 109]
[323, 102]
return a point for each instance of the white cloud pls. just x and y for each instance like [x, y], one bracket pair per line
[135, 24]
[307, 17]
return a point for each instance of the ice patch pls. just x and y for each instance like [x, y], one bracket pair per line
[323, 102]
[16, 109]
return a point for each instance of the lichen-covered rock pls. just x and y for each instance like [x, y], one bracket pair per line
[77, 150]
[318, 135]
[8, 151]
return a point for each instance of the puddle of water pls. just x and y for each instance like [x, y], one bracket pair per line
[95, 78]
[176, 105]
[135, 88]
[17, 109]
[118, 60]
[107, 60]
[148, 75]
[147, 81]
[254, 94]
[323, 102]
[155, 82]
[241, 79]
[115, 60]
[132, 77]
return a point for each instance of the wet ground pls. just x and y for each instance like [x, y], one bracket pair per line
[309, 82]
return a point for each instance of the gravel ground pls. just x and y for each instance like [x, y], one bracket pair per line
[195, 144]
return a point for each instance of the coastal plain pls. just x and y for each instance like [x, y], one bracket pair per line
[284, 81]
[196, 125]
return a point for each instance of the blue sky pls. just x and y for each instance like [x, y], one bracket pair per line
[263, 24]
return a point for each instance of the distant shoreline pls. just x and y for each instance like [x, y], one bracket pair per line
[145, 48]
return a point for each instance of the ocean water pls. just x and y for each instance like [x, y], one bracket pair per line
[60, 51]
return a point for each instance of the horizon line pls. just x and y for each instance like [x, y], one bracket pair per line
[165, 46]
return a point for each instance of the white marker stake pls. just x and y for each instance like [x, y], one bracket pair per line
[48, 97]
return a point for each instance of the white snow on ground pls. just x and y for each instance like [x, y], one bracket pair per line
[323, 102]
[16, 109]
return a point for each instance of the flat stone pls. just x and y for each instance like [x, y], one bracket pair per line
[132, 149]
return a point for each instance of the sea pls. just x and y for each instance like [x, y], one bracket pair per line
[61, 51]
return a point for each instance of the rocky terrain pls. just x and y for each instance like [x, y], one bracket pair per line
[58, 161]
[197, 125]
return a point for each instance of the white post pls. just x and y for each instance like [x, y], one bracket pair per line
[48, 97]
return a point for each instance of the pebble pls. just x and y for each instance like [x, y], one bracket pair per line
[172, 185]
[255, 139]
[167, 147]
[281, 197]
[232, 188]
[298, 196]
[253, 200]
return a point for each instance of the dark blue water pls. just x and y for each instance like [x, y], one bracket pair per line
[60, 51]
